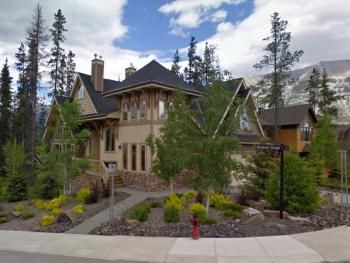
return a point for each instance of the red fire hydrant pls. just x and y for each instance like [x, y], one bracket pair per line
[195, 227]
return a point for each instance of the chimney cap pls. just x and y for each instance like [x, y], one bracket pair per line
[131, 66]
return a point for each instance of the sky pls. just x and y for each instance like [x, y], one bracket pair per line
[137, 31]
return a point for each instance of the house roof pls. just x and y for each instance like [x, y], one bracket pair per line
[155, 73]
[288, 115]
[102, 105]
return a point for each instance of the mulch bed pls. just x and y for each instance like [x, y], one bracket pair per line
[325, 217]
[64, 222]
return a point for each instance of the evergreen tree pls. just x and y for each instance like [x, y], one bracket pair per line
[41, 120]
[175, 67]
[328, 97]
[36, 40]
[279, 59]
[211, 70]
[313, 88]
[5, 110]
[70, 73]
[193, 70]
[57, 54]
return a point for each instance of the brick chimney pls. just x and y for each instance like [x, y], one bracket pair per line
[97, 68]
[129, 71]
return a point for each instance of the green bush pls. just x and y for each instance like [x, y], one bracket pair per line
[176, 200]
[3, 219]
[190, 195]
[220, 202]
[47, 220]
[26, 214]
[171, 213]
[232, 213]
[197, 209]
[40, 204]
[54, 204]
[79, 209]
[156, 204]
[300, 188]
[140, 212]
[19, 208]
[84, 194]
[207, 221]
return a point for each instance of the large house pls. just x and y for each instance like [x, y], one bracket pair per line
[296, 126]
[121, 115]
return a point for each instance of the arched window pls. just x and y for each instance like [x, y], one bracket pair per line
[133, 111]
[143, 109]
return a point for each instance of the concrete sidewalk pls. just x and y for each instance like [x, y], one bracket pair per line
[136, 196]
[327, 245]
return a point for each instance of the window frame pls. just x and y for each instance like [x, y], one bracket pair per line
[306, 132]
[81, 92]
[125, 156]
[109, 138]
[133, 157]
[143, 105]
[244, 122]
[163, 116]
[125, 112]
[133, 109]
[143, 157]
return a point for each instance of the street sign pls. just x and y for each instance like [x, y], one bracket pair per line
[112, 167]
[270, 147]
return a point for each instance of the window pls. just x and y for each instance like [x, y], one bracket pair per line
[81, 92]
[161, 109]
[133, 111]
[109, 140]
[125, 156]
[244, 120]
[125, 112]
[133, 157]
[305, 132]
[143, 109]
[143, 157]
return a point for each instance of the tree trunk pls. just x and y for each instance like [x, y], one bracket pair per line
[207, 204]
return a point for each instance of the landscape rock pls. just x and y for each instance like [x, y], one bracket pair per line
[301, 220]
[259, 205]
[275, 213]
[16, 213]
[249, 211]
[257, 219]
[132, 223]
[63, 218]
[278, 226]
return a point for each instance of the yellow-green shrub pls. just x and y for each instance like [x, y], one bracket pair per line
[19, 208]
[40, 204]
[79, 209]
[175, 201]
[190, 195]
[220, 202]
[83, 194]
[56, 212]
[54, 204]
[197, 209]
[47, 220]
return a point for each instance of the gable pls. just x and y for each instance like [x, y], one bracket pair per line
[86, 105]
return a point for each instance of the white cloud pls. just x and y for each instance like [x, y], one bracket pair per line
[320, 28]
[187, 14]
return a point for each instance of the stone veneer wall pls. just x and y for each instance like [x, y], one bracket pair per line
[86, 180]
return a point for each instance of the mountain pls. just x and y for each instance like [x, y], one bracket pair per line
[339, 80]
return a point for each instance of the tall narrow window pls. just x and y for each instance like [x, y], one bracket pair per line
[306, 132]
[109, 140]
[81, 92]
[143, 157]
[244, 120]
[125, 112]
[133, 111]
[143, 109]
[125, 156]
[161, 109]
[133, 157]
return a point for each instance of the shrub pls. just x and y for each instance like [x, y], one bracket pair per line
[300, 189]
[156, 204]
[56, 212]
[40, 204]
[54, 204]
[26, 214]
[65, 199]
[190, 195]
[171, 214]
[207, 221]
[176, 200]
[220, 202]
[140, 212]
[232, 213]
[197, 209]
[47, 220]
[3, 219]
[79, 209]
[19, 208]
[83, 194]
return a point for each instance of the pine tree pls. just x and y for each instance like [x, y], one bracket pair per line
[41, 121]
[313, 87]
[328, 97]
[57, 53]
[211, 69]
[36, 40]
[5, 110]
[193, 70]
[279, 59]
[175, 67]
[70, 72]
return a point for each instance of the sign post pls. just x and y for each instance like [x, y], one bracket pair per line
[112, 168]
[281, 148]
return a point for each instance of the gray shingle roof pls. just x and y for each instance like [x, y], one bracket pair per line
[288, 115]
[103, 105]
[155, 73]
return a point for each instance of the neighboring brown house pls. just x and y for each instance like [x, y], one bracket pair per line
[343, 136]
[296, 126]
[121, 115]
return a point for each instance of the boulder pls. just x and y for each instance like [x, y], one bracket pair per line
[277, 226]
[16, 214]
[250, 211]
[275, 213]
[132, 223]
[259, 205]
[63, 218]
[257, 219]
[301, 220]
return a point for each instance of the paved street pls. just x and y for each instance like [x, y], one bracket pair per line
[332, 245]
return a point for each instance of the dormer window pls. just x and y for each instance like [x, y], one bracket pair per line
[244, 120]
[125, 112]
[133, 111]
[81, 92]
[143, 109]
[306, 131]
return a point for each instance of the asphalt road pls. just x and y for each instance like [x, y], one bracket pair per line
[22, 257]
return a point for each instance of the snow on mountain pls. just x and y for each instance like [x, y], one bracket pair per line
[339, 80]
